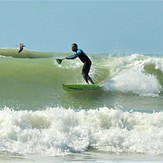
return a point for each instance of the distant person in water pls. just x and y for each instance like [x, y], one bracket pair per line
[85, 59]
[21, 46]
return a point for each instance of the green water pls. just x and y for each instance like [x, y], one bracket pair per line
[40, 121]
[33, 80]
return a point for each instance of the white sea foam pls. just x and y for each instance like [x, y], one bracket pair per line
[136, 82]
[128, 75]
[57, 131]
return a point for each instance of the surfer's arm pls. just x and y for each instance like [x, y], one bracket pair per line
[71, 57]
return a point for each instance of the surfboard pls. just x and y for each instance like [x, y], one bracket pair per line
[81, 87]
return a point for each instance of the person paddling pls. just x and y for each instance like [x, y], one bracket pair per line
[84, 58]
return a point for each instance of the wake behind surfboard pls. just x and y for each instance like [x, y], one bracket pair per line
[81, 87]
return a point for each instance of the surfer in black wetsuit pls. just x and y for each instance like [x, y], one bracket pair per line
[84, 58]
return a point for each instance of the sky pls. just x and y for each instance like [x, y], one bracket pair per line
[97, 26]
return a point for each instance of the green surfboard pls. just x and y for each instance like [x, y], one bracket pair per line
[81, 87]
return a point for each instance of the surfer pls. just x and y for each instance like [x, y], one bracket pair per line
[85, 59]
[21, 46]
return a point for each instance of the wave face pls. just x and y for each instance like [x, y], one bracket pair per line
[38, 117]
[33, 80]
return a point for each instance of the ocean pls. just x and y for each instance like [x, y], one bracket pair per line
[40, 122]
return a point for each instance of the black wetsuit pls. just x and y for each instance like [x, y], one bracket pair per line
[87, 64]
